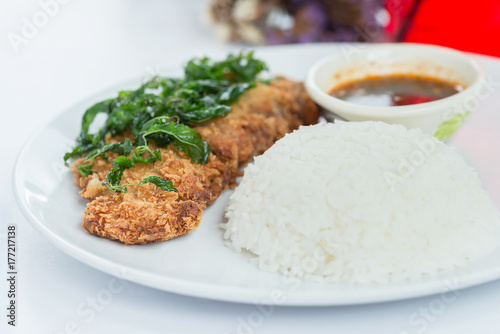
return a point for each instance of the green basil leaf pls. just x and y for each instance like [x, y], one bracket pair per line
[159, 182]
[204, 114]
[233, 92]
[120, 164]
[76, 152]
[186, 139]
[88, 141]
[137, 156]
[91, 114]
[242, 67]
[85, 170]
[123, 148]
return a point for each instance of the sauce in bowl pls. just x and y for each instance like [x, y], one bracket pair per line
[394, 90]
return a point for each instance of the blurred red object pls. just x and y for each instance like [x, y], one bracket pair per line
[467, 26]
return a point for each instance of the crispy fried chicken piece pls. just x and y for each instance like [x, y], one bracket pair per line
[146, 213]
[143, 215]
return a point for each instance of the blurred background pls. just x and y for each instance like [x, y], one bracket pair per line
[463, 25]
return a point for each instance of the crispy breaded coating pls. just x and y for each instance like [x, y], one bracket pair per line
[146, 213]
[143, 215]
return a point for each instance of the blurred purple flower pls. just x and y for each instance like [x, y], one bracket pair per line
[315, 18]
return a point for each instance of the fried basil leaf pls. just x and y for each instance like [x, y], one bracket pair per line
[235, 68]
[120, 164]
[162, 109]
[122, 148]
[138, 155]
[159, 182]
[90, 140]
[185, 138]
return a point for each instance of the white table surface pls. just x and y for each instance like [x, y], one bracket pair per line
[88, 46]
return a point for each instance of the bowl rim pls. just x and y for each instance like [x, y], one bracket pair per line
[323, 98]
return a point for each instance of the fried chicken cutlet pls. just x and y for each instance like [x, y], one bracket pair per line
[147, 213]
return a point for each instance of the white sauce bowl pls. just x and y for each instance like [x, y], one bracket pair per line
[358, 61]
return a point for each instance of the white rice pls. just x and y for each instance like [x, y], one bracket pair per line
[361, 203]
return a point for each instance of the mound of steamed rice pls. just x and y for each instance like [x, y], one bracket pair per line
[361, 203]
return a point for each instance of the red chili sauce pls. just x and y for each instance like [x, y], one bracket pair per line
[394, 90]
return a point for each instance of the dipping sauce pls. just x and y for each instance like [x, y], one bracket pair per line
[394, 90]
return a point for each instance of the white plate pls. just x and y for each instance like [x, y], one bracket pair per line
[198, 264]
